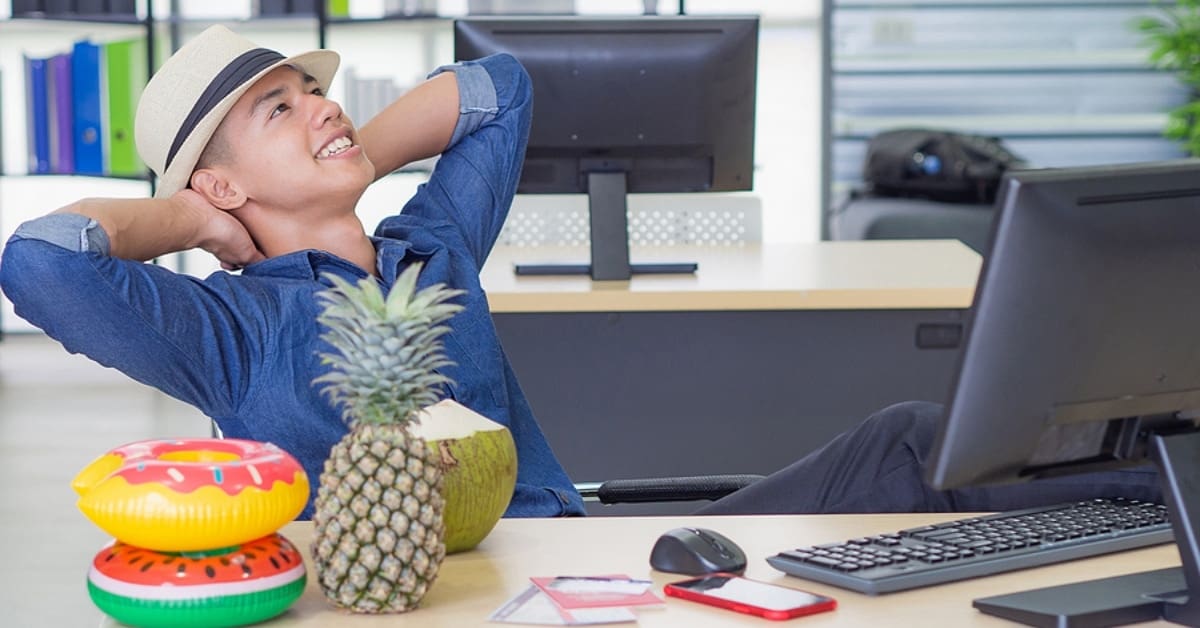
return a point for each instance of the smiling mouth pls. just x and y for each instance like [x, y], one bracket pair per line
[335, 147]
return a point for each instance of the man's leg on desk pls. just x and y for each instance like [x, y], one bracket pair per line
[877, 467]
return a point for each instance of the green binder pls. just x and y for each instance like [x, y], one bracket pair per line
[125, 77]
[339, 8]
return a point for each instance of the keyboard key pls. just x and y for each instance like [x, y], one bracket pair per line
[823, 560]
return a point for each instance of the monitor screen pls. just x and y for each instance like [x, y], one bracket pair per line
[629, 104]
[1082, 346]
[1085, 319]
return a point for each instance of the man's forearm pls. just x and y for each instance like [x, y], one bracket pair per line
[417, 125]
[143, 228]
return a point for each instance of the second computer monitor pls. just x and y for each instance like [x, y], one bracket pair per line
[1084, 336]
[631, 104]
[1082, 353]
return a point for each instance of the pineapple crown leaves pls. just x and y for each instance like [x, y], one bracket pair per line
[388, 348]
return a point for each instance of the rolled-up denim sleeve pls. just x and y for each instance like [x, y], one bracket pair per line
[475, 179]
[476, 98]
[69, 231]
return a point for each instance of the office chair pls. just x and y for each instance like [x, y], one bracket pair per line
[865, 217]
[667, 489]
[646, 490]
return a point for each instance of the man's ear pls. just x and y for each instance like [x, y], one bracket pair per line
[218, 189]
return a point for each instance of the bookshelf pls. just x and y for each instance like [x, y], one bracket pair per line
[54, 36]
[87, 70]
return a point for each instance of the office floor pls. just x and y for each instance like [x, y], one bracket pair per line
[48, 432]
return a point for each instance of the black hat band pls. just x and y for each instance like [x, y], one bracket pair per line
[240, 70]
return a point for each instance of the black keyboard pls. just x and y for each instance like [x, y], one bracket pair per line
[980, 546]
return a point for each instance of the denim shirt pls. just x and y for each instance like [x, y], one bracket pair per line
[244, 348]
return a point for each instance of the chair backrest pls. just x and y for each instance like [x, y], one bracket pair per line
[654, 219]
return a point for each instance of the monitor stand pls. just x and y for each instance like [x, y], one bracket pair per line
[1135, 597]
[609, 221]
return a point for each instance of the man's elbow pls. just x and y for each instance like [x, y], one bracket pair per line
[507, 69]
[12, 261]
[32, 276]
[512, 66]
[16, 275]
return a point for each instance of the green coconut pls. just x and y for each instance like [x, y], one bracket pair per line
[479, 469]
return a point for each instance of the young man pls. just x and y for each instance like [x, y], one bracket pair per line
[258, 167]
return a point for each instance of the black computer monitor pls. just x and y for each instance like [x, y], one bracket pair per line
[1082, 352]
[630, 104]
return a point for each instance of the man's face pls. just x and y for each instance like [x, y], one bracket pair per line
[293, 149]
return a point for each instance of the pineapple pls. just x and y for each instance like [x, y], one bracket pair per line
[378, 522]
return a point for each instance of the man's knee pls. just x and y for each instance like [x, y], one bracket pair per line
[910, 420]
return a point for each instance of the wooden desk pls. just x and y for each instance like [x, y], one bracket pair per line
[878, 274]
[472, 585]
[764, 354]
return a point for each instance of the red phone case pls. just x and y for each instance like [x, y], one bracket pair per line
[675, 590]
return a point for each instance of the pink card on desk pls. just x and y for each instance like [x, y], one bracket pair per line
[595, 591]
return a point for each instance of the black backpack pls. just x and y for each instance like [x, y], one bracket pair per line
[937, 165]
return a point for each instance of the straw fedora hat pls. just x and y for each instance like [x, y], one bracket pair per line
[187, 98]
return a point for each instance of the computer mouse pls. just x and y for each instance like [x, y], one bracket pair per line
[696, 551]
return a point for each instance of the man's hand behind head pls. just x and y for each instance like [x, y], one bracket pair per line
[218, 232]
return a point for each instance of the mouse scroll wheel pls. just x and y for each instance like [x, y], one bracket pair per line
[720, 547]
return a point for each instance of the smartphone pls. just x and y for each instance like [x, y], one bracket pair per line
[754, 597]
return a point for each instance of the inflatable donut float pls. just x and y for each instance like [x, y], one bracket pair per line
[234, 586]
[192, 494]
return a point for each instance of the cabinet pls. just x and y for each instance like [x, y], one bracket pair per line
[1063, 84]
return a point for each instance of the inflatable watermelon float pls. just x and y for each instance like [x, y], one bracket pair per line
[234, 586]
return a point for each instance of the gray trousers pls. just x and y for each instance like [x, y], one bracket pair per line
[877, 467]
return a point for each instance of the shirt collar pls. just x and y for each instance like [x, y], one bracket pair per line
[389, 254]
[310, 263]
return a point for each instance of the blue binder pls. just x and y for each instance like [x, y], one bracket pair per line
[85, 87]
[37, 116]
